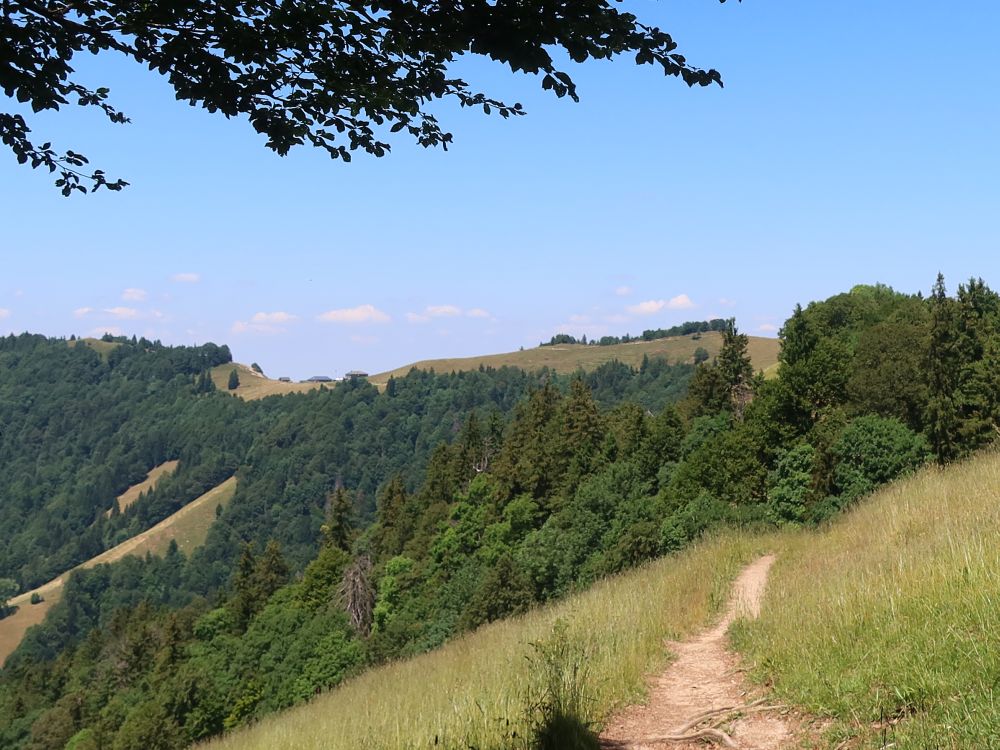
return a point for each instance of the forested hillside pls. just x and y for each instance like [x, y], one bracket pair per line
[372, 525]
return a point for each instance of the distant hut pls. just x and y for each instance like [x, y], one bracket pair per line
[285, 379]
[320, 379]
[356, 375]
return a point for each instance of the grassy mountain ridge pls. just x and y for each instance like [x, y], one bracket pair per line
[490, 492]
[568, 358]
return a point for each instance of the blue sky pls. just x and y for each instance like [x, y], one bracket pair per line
[854, 142]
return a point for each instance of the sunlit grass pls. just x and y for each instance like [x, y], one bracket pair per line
[472, 692]
[568, 358]
[890, 619]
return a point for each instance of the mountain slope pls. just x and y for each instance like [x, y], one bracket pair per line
[886, 622]
[567, 358]
[889, 621]
[188, 527]
[474, 691]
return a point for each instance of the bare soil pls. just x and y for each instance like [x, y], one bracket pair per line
[704, 681]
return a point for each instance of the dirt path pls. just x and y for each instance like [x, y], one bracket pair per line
[705, 678]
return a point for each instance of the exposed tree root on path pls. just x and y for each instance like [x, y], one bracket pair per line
[700, 699]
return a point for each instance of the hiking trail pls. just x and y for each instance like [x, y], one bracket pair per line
[701, 698]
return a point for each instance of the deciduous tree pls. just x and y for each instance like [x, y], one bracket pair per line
[335, 74]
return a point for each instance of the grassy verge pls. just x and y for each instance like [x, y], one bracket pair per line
[474, 691]
[889, 620]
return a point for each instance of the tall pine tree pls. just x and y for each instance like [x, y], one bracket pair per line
[943, 367]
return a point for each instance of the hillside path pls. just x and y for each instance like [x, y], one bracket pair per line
[705, 677]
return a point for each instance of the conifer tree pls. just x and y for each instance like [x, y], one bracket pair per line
[735, 366]
[234, 380]
[943, 363]
[392, 531]
[338, 528]
[581, 434]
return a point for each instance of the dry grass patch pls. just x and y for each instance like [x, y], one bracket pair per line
[133, 493]
[253, 385]
[472, 692]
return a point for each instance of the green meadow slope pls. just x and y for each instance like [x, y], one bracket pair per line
[884, 625]
[568, 358]
[889, 620]
[473, 692]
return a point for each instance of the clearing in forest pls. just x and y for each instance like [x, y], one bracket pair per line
[133, 493]
[188, 527]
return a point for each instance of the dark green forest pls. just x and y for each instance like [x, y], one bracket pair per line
[369, 526]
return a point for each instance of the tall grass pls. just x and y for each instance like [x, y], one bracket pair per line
[477, 691]
[890, 619]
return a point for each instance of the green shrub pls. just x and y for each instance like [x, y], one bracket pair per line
[872, 451]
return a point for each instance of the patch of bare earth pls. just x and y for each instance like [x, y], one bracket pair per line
[701, 699]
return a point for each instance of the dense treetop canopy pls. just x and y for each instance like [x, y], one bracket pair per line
[331, 73]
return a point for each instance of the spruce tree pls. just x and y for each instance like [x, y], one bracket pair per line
[581, 434]
[733, 362]
[234, 380]
[943, 364]
[392, 531]
[339, 526]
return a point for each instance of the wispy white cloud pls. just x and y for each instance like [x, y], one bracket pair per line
[359, 314]
[82, 312]
[767, 328]
[273, 317]
[122, 313]
[132, 294]
[623, 291]
[243, 326]
[267, 323]
[445, 311]
[186, 278]
[4, 313]
[649, 307]
[680, 302]
[726, 302]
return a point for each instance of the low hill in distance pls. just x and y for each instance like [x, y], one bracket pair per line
[253, 385]
[564, 358]
[568, 358]
[188, 527]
